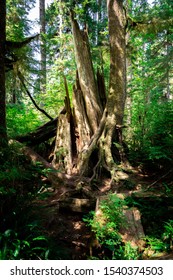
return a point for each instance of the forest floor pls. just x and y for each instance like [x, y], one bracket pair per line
[67, 228]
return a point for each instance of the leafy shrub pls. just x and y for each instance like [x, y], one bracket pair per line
[106, 223]
[152, 132]
[130, 253]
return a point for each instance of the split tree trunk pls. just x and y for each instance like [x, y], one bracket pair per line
[87, 81]
[76, 128]
[85, 141]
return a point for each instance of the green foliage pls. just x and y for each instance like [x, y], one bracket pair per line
[155, 244]
[17, 28]
[60, 57]
[106, 224]
[13, 247]
[167, 189]
[53, 100]
[164, 243]
[22, 235]
[150, 129]
[158, 225]
[130, 253]
[113, 210]
[25, 239]
[168, 233]
[21, 119]
[152, 137]
[17, 22]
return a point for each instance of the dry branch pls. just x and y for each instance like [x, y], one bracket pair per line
[10, 45]
[22, 80]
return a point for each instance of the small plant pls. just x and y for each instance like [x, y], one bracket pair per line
[168, 233]
[167, 189]
[155, 244]
[130, 253]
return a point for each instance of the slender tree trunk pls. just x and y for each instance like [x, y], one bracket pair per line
[3, 131]
[168, 90]
[42, 47]
[111, 139]
[117, 60]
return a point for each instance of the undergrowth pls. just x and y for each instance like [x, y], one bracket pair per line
[22, 235]
[157, 223]
[106, 224]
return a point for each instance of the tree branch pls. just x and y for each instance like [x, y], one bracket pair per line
[153, 25]
[17, 45]
[21, 78]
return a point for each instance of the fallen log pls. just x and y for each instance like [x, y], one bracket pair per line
[52, 174]
[41, 134]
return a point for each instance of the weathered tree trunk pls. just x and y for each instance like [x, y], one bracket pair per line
[117, 83]
[3, 131]
[86, 75]
[87, 140]
[76, 128]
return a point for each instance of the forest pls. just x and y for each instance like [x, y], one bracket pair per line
[86, 130]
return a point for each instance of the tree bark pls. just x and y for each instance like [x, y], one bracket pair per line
[86, 75]
[117, 84]
[3, 130]
[112, 133]
[97, 119]
[76, 128]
